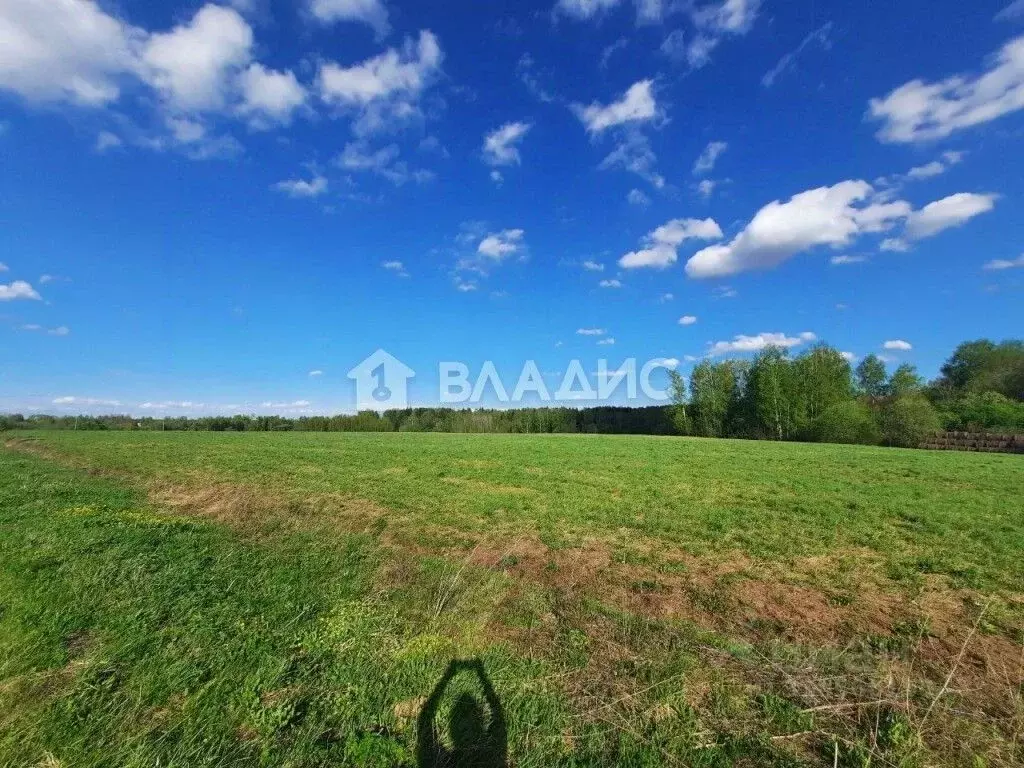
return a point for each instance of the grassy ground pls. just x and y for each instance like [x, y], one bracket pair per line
[292, 599]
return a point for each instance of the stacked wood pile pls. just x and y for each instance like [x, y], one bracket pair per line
[974, 441]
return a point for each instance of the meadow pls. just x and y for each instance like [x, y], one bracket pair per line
[294, 599]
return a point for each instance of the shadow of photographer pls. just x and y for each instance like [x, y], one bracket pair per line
[476, 737]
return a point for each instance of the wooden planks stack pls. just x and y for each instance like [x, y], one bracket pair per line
[974, 441]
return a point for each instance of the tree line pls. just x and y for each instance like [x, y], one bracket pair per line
[815, 396]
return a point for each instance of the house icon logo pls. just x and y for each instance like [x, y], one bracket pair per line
[382, 382]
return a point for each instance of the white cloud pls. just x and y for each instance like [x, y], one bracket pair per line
[665, 297]
[839, 261]
[357, 156]
[270, 95]
[194, 66]
[920, 111]
[395, 266]
[583, 9]
[741, 343]
[406, 72]
[662, 245]
[497, 178]
[3, 267]
[636, 197]
[106, 140]
[500, 245]
[898, 345]
[500, 144]
[934, 168]
[637, 105]
[610, 284]
[19, 289]
[606, 342]
[1000, 264]
[593, 266]
[687, 320]
[952, 211]
[70, 400]
[295, 404]
[61, 330]
[832, 216]
[371, 12]
[819, 36]
[706, 162]
[316, 374]
[65, 50]
[736, 16]
[706, 187]
[848, 356]
[302, 188]
[179, 405]
[894, 245]
[634, 154]
[591, 332]
[1013, 11]
[650, 11]
[715, 22]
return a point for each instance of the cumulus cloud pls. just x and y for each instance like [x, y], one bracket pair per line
[302, 188]
[922, 111]
[19, 289]
[65, 50]
[706, 188]
[610, 284]
[1000, 264]
[371, 12]
[952, 211]
[315, 374]
[593, 266]
[819, 37]
[500, 245]
[194, 65]
[591, 332]
[268, 95]
[606, 342]
[687, 320]
[706, 162]
[761, 341]
[636, 105]
[384, 89]
[500, 145]
[661, 247]
[826, 216]
[898, 345]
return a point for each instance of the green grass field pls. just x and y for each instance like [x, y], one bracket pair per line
[181, 599]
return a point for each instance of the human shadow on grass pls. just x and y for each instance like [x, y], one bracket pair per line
[478, 739]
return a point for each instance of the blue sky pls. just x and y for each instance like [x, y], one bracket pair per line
[201, 205]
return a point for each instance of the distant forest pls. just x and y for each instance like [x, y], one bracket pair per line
[815, 396]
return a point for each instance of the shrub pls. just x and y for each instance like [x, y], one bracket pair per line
[986, 411]
[847, 422]
[906, 421]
